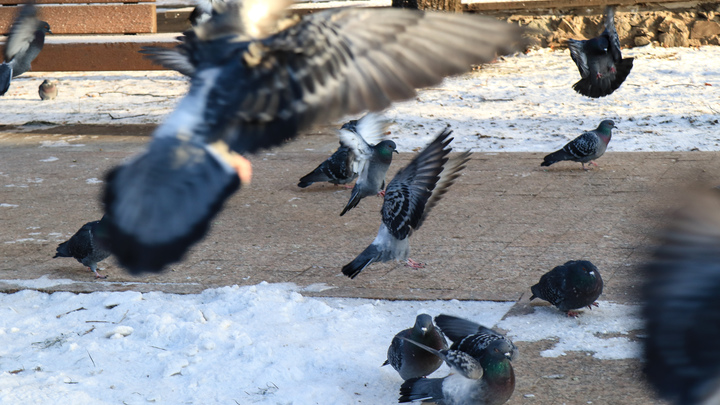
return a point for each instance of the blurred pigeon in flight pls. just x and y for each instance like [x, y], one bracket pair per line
[409, 197]
[84, 247]
[471, 337]
[257, 79]
[600, 61]
[356, 137]
[585, 148]
[48, 89]
[494, 386]
[24, 43]
[573, 285]
[411, 361]
[682, 306]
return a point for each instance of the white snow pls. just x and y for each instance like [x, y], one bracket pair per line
[6, 205]
[93, 180]
[50, 159]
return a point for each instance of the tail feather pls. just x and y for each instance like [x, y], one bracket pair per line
[623, 70]
[416, 389]
[6, 72]
[313, 177]
[62, 250]
[370, 255]
[555, 157]
[354, 201]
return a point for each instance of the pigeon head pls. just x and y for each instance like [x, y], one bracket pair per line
[583, 273]
[423, 324]
[598, 45]
[498, 350]
[44, 27]
[386, 148]
[606, 127]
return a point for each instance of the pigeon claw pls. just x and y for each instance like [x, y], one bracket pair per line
[594, 304]
[415, 265]
[573, 314]
[381, 193]
[243, 167]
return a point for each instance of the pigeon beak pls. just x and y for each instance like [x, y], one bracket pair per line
[396, 151]
[508, 355]
[424, 330]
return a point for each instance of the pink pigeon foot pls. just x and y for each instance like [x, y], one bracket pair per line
[415, 265]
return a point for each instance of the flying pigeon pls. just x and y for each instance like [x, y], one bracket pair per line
[600, 61]
[494, 387]
[585, 148]
[682, 306]
[470, 337]
[573, 285]
[24, 43]
[257, 79]
[345, 164]
[409, 197]
[85, 247]
[376, 161]
[48, 89]
[411, 361]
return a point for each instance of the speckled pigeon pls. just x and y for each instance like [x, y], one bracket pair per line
[84, 247]
[585, 148]
[495, 386]
[458, 361]
[409, 197]
[345, 164]
[411, 361]
[48, 89]
[258, 78]
[600, 61]
[24, 43]
[573, 285]
[682, 305]
[471, 337]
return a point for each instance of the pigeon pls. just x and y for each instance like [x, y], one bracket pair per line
[682, 306]
[257, 78]
[471, 337]
[458, 361]
[573, 285]
[24, 43]
[409, 360]
[84, 247]
[494, 387]
[600, 61]
[409, 197]
[371, 178]
[48, 89]
[585, 148]
[344, 165]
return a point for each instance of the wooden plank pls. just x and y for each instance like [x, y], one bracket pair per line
[551, 4]
[18, 2]
[91, 19]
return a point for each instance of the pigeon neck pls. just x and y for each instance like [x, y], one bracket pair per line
[499, 374]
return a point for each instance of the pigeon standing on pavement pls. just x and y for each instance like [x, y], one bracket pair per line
[682, 306]
[575, 284]
[411, 361]
[346, 163]
[409, 197]
[600, 61]
[257, 78]
[493, 384]
[471, 337]
[84, 247]
[48, 89]
[24, 43]
[585, 148]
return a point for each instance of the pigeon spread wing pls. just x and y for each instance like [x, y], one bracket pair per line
[578, 55]
[612, 35]
[22, 32]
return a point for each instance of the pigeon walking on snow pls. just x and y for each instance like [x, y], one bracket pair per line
[471, 337]
[346, 163]
[493, 384]
[257, 78]
[411, 361]
[48, 89]
[600, 61]
[682, 306]
[573, 285]
[24, 43]
[585, 148]
[85, 247]
[409, 197]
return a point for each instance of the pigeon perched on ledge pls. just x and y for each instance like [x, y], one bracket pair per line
[411, 361]
[600, 61]
[409, 197]
[84, 247]
[585, 148]
[574, 285]
[24, 43]
[257, 78]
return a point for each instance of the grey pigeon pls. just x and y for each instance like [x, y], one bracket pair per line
[409, 197]
[24, 43]
[471, 337]
[356, 138]
[494, 387]
[258, 78]
[575, 284]
[585, 148]
[371, 178]
[48, 89]
[411, 361]
[458, 361]
[84, 247]
[682, 306]
[600, 61]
